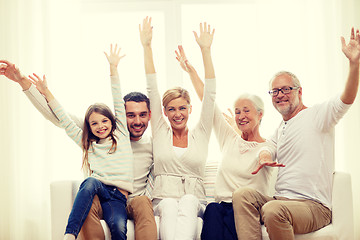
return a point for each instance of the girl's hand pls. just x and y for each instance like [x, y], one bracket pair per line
[114, 56]
[230, 119]
[206, 36]
[40, 84]
[146, 32]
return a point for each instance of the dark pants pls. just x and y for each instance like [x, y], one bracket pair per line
[219, 222]
[113, 204]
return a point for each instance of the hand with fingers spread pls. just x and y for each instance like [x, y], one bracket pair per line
[41, 86]
[352, 49]
[145, 37]
[114, 58]
[13, 73]
[230, 119]
[184, 63]
[205, 38]
[265, 160]
[146, 32]
[352, 52]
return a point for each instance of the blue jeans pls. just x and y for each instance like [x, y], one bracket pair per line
[113, 204]
[219, 222]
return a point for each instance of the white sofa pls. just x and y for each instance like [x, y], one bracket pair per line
[341, 228]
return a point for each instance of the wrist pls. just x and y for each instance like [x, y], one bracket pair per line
[24, 83]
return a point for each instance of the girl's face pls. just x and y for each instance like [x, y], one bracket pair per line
[100, 125]
[247, 118]
[177, 111]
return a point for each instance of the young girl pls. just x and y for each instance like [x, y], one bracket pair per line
[107, 156]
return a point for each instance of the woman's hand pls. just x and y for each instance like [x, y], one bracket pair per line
[184, 63]
[41, 85]
[206, 36]
[265, 160]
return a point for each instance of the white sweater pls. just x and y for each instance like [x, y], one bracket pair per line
[175, 177]
[305, 144]
[239, 159]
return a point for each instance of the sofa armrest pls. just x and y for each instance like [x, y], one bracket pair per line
[62, 197]
[342, 206]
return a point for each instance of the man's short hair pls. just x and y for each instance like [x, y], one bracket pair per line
[137, 97]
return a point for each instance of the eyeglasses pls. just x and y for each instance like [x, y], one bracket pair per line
[284, 90]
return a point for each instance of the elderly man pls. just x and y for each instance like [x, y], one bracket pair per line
[305, 145]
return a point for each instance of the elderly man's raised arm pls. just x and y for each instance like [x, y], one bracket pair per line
[352, 52]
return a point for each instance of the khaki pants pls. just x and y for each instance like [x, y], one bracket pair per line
[139, 209]
[282, 217]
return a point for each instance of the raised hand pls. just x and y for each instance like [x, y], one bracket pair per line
[230, 119]
[40, 84]
[205, 38]
[10, 71]
[114, 56]
[146, 32]
[352, 49]
[184, 63]
[265, 160]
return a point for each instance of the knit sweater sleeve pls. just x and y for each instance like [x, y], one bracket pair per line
[221, 128]
[157, 119]
[71, 128]
[119, 106]
[207, 108]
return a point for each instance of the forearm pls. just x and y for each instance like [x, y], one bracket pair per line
[198, 84]
[148, 60]
[24, 83]
[113, 70]
[352, 84]
[48, 95]
[208, 64]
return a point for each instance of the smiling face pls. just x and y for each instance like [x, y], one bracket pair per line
[177, 112]
[100, 125]
[137, 118]
[247, 118]
[286, 104]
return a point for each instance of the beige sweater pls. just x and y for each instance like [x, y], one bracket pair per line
[177, 176]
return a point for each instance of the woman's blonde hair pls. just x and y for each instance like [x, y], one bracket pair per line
[88, 137]
[174, 93]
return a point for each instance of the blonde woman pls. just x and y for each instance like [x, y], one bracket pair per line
[179, 153]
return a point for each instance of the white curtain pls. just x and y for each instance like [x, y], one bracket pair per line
[65, 40]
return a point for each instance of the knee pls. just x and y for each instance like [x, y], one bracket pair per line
[168, 205]
[242, 195]
[189, 199]
[272, 211]
[211, 210]
[140, 201]
[89, 184]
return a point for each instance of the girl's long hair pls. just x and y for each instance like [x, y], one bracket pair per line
[88, 137]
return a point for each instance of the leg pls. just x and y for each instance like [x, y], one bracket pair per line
[114, 209]
[82, 204]
[140, 209]
[229, 221]
[283, 218]
[247, 203]
[187, 219]
[167, 210]
[92, 228]
[213, 226]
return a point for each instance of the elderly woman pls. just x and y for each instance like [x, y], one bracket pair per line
[244, 153]
[179, 153]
